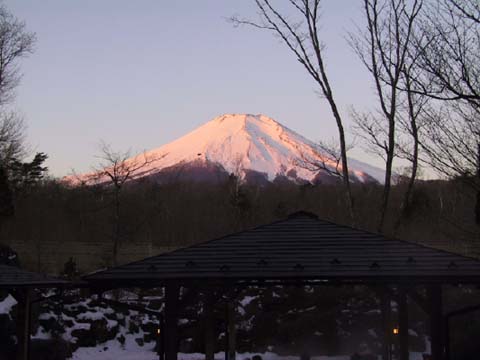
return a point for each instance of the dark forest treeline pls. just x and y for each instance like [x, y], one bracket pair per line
[54, 222]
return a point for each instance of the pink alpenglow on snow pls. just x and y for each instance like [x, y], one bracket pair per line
[245, 143]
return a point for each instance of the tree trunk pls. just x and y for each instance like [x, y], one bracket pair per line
[388, 173]
[116, 231]
[6, 197]
[477, 204]
[343, 151]
[407, 199]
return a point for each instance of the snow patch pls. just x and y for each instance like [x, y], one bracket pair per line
[247, 300]
[7, 304]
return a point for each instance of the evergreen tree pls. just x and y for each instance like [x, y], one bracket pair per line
[24, 175]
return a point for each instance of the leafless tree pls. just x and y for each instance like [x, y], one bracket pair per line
[411, 123]
[15, 43]
[12, 137]
[449, 54]
[448, 66]
[301, 35]
[452, 143]
[469, 9]
[383, 49]
[114, 171]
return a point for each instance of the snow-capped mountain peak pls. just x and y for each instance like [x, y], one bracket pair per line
[242, 143]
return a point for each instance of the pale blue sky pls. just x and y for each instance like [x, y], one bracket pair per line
[139, 74]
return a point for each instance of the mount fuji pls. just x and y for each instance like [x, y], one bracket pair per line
[253, 147]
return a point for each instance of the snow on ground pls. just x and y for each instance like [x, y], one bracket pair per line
[112, 350]
[7, 304]
[247, 300]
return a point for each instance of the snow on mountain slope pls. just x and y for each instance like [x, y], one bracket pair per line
[244, 142]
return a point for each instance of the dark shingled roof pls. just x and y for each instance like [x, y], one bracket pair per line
[301, 247]
[11, 276]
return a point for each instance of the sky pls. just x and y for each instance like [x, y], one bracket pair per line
[139, 74]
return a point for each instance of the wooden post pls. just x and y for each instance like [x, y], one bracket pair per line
[434, 293]
[232, 331]
[209, 325]
[227, 335]
[386, 311]
[171, 321]
[331, 335]
[403, 323]
[447, 337]
[23, 323]
[161, 338]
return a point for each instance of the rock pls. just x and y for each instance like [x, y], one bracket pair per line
[133, 327]
[85, 338]
[101, 331]
[97, 334]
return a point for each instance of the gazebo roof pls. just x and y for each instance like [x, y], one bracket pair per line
[11, 276]
[299, 248]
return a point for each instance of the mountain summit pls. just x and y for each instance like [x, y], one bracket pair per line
[245, 144]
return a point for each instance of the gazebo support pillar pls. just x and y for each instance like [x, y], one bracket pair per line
[386, 311]
[436, 321]
[403, 323]
[23, 323]
[209, 325]
[232, 331]
[171, 321]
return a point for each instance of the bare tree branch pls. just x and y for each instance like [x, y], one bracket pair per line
[15, 43]
[326, 157]
[302, 38]
[383, 48]
[114, 171]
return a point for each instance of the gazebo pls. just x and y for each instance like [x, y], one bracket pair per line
[20, 283]
[304, 249]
